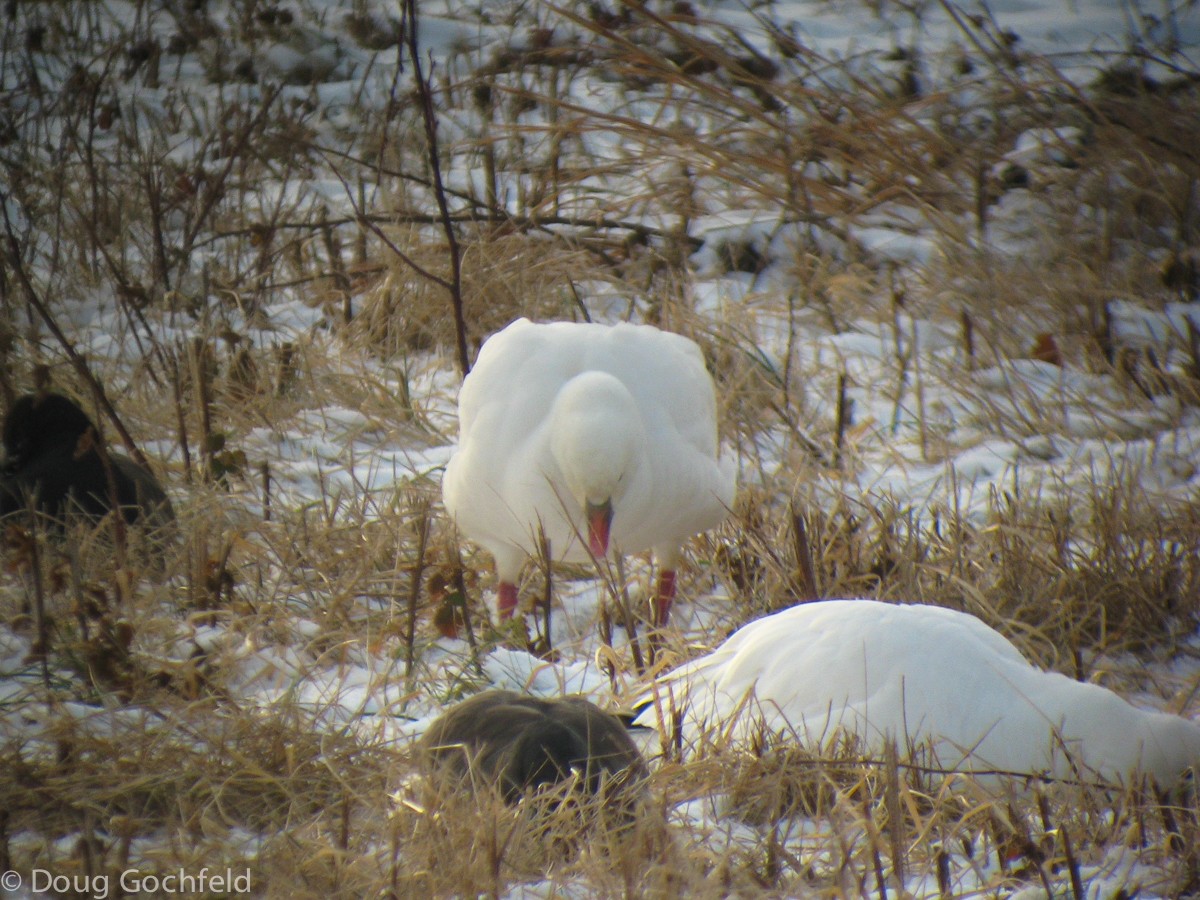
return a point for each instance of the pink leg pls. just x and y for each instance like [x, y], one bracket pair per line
[507, 600]
[664, 598]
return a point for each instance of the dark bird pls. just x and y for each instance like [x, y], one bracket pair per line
[521, 743]
[54, 455]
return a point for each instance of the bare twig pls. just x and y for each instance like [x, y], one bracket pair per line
[429, 116]
[546, 562]
[414, 588]
[17, 264]
[807, 571]
[627, 616]
[460, 584]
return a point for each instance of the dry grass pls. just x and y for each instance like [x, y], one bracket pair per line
[504, 276]
[144, 735]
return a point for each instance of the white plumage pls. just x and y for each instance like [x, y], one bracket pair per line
[596, 432]
[937, 676]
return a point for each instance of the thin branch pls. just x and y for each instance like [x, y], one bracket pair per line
[13, 252]
[429, 115]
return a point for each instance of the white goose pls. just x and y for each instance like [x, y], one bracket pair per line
[599, 435]
[940, 677]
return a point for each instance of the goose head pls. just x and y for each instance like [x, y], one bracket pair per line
[40, 421]
[596, 433]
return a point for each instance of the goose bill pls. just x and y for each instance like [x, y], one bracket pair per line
[599, 518]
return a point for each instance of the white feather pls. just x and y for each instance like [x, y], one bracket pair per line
[925, 674]
[549, 410]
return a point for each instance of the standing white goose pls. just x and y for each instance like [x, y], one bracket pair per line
[605, 433]
[940, 677]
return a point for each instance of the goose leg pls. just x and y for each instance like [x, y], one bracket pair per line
[664, 596]
[507, 599]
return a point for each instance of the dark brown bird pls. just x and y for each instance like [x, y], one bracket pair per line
[53, 454]
[520, 743]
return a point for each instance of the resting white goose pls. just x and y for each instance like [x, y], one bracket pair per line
[941, 677]
[602, 435]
